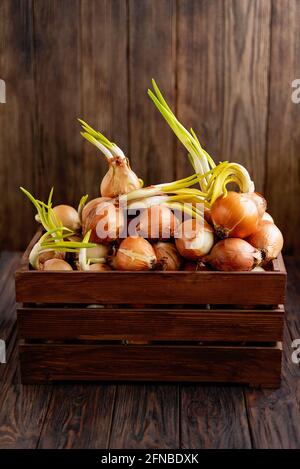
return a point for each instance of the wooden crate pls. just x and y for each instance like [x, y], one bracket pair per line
[190, 326]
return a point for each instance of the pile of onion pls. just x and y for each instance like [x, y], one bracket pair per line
[236, 233]
[119, 179]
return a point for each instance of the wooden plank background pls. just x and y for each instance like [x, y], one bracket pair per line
[225, 66]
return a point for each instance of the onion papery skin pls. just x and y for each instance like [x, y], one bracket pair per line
[105, 220]
[56, 264]
[134, 254]
[233, 254]
[168, 258]
[99, 251]
[90, 207]
[38, 257]
[68, 217]
[194, 239]
[47, 255]
[98, 268]
[119, 179]
[267, 217]
[260, 202]
[157, 222]
[235, 216]
[268, 239]
[207, 215]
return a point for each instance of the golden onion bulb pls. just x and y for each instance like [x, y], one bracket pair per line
[194, 239]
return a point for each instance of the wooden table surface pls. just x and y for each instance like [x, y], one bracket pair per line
[147, 415]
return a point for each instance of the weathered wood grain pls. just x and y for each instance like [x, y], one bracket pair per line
[162, 324]
[58, 93]
[18, 156]
[213, 417]
[146, 417]
[246, 68]
[22, 408]
[150, 287]
[79, 416]
[274, 416]
[151, 54]
[293, 297]
[104, 43]
[283, 139]
[22, 412]
[7, 293]
[226, 68]
[200, 75]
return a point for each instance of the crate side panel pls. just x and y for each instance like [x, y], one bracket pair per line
[151, 287]
[150, 324]
[254, 365]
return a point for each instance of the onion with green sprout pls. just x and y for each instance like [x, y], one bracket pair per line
[55, 242]
[201, 161]
[177, 193]
[84, 261]
[213, 178]
[120, 179]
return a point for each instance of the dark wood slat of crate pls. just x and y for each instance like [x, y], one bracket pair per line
[149, 287]
[79, 416]
[145, 417]
[274, 416]
[168, 324]
[213, 417]
[52, 362]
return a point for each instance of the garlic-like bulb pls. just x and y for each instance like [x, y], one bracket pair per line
[119, 179]
[105, 220]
